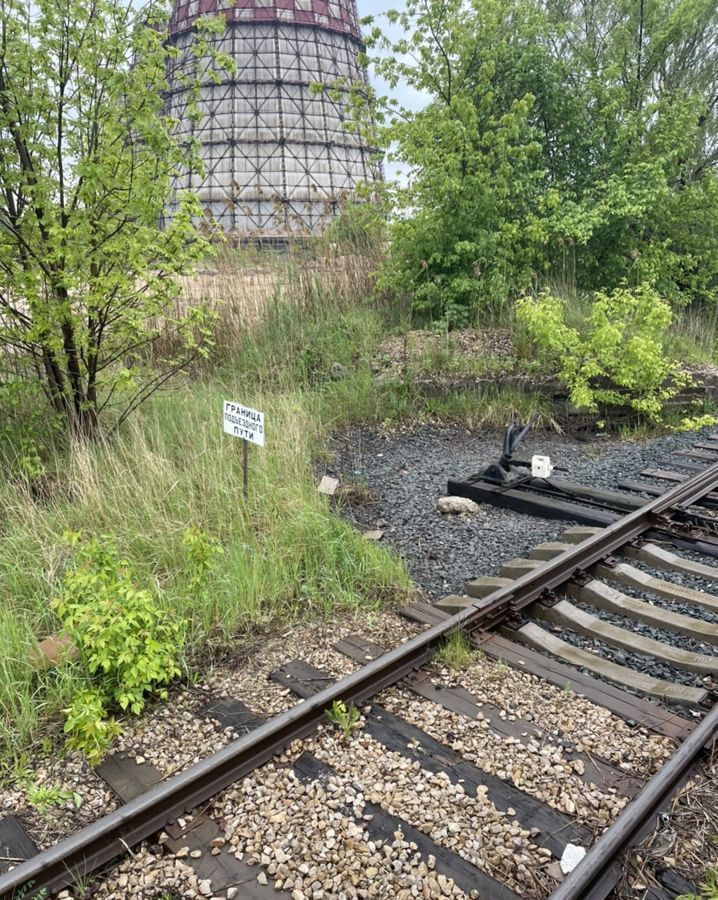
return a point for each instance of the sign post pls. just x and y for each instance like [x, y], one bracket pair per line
[246, 423]
[245, 468]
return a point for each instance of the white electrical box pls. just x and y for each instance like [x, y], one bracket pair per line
[541, 466]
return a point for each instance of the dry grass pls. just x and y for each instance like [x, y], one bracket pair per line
[694, 816]
[241, 295]
[239, 287]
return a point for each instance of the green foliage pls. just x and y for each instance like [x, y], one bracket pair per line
[87, 160]
[22, 893]
[456, 652]
[129, 647]
[358, 228]
[569, 138]
[643, 112]
[471, 237]
[286, 555]
[87, 725]
[709, 888]
[619, 358]
[344, 717]
[298, 345]
[45, 797]
[25, 426]
[695, 423]
[203, 553]
[26, 463]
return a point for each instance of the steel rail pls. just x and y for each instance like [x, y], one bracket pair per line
[588, 879]
[113, 834]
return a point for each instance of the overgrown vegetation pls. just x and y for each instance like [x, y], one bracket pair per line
[565, 163]
[284, 554]
[570, 140]
[618, 356]
[87, 156]
[166, 491]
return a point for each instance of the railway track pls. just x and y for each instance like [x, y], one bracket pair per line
[514, 619]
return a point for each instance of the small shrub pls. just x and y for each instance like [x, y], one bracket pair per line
[622, 344]
[45, 797]
[202, 554]
[88, 727]
[128, 646]
[695, 423]
[343, 716]
[456, 652]
[28, 462]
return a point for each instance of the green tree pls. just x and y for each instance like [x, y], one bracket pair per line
[472, 221]
[638, 128]
[573, 138]
[87, 157]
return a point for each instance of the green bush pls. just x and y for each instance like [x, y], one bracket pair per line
[87, 726]
[203, 553]
[128, 646]
[618, 358]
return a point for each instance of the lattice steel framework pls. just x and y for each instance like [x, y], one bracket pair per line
[277, 159]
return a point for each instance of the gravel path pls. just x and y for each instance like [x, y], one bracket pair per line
[395, 480]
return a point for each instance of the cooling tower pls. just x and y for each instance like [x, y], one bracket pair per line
[277, 159]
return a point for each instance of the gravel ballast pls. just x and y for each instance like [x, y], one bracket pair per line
[392, 481]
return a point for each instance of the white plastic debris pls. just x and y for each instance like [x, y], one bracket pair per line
[572, 856]
[541, 466]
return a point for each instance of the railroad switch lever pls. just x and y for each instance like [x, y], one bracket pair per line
[500, 472]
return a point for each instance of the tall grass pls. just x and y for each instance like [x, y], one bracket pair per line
[693, 337]
[285, 553]
[242, 286]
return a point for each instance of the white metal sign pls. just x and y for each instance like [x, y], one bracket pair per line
[243, 422]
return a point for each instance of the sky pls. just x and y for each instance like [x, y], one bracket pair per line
[407, 97]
